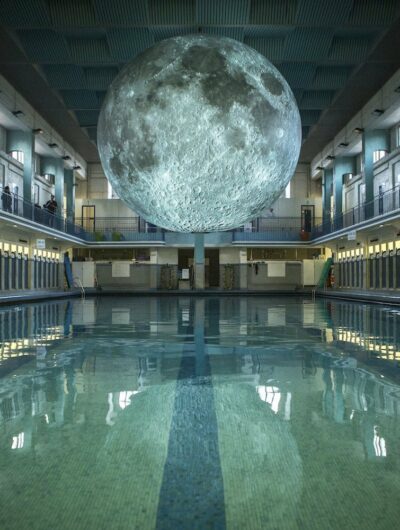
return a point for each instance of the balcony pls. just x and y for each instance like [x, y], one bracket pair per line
[383, 207]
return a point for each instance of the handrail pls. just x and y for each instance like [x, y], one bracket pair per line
[79, 284]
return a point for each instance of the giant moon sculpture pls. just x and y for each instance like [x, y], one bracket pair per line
[199, 134]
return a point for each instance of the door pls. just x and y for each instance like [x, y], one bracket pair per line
[89, 218]
[212, 267]
[307, 218]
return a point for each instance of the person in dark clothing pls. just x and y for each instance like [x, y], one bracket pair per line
[51, 206]
[6, 199]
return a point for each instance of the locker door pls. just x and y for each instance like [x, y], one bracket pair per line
[384, 264]
[371, 272]
[378, 270]
[391, 262]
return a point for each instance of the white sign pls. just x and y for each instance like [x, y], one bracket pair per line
[121, 269]
[41, 243]
[185, 274]
[352, 235]
[276, 269]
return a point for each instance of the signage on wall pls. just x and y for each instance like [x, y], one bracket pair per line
[41, 244]
[352, 235]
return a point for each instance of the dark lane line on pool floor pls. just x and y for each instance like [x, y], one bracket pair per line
[192, 490]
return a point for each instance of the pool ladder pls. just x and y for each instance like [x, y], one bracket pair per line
[78, 283]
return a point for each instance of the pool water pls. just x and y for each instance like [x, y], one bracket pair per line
[197, 413]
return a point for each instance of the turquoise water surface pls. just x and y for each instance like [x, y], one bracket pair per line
[199, 413]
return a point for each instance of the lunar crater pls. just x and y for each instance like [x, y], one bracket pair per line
[199, 134]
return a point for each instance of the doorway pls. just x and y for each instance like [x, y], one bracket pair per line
[212, 267]
[89, 218]
[307, 217]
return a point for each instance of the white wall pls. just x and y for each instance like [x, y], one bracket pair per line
[229, 255]
[167, 256]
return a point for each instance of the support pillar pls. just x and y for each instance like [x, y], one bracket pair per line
[327, 182]
[199, 268]
[199, 307]
[343, 165]
[25, 142]
[55, 166]
[69, 183]
[374, 140]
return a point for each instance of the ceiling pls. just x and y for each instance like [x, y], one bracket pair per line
[61, 55]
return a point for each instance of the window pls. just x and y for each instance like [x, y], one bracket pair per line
[110, 192]
[49, 177]
[18, 156]
[287, 191]
[36, 193]
[378, 155]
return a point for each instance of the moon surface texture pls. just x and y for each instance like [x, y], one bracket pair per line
[199, 134]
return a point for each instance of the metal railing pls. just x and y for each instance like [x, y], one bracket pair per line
[14, 204]
[382, 204]
[114, 229]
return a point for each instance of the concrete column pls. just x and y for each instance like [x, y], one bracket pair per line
[153, 268]
[327, 181]
[69, 182]
[199, 336]
[199, 269]
[345, 164]
[25, 142]
[372, 141]
[243, 268]
[55, 166]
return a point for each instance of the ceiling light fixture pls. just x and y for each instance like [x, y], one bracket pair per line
[343, 144]
[320, 168]
[17, 112]
[358, 130]
[39, 130]
[377, 112]
[53, 145]
[66, 157]
[76, 167]
[330, 157]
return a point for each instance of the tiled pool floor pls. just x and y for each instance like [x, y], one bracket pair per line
[191, 413]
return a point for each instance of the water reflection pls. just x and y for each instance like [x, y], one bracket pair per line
[278, 394]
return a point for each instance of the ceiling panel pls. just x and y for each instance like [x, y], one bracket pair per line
[120, 12]
[24, 13]
[322, 47]
[75, 13]
[172, 12]
[126, 43]
[93, 50]
[325, 12]
[272, 48]
[273, 12]
[44, 46]
[223, 12]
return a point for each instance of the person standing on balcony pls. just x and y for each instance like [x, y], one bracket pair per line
[6, 199]
[51, 206]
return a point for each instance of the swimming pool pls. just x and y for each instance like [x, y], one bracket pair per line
[179, 412]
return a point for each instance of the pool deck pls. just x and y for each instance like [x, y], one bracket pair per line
[376, 296]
